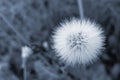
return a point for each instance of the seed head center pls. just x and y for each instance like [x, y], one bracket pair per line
[76, 40]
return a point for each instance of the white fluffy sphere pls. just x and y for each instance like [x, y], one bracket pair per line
[78, 41]
[26, 51]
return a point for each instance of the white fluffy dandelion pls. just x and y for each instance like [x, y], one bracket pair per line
[78, 41]
[26, 51]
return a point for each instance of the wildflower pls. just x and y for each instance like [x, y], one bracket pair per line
[26, 51]
[78, 41]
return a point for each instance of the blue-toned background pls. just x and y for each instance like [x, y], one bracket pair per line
[36, 19]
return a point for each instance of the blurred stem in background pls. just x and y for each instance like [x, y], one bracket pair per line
[24, 61]
[13, 29]
[26, 52]
[81, 10]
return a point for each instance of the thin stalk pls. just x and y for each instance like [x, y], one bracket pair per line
[81, 11]
[24, 69]
[13, 29]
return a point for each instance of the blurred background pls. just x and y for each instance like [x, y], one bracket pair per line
[35, 20]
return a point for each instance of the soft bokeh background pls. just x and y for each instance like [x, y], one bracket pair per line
[36, 19]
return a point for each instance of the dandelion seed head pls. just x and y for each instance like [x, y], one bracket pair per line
[26, 51]
[78, 41]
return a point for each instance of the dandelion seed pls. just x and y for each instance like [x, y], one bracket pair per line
[78, 41]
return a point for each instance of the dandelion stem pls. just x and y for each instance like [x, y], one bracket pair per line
[26, 52]
[24, 69]
[81, 11]
[17, 33]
